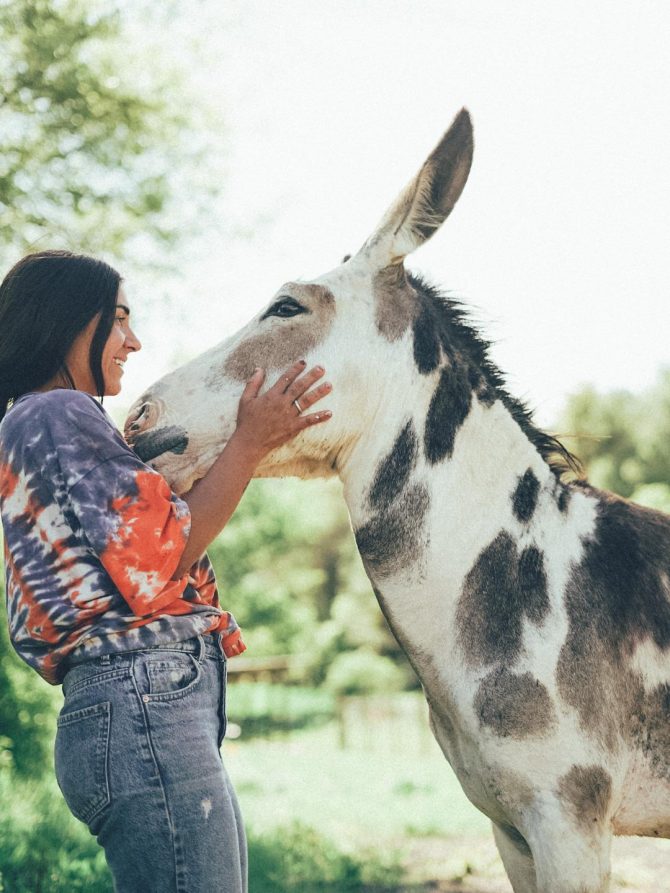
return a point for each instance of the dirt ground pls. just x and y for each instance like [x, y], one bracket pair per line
[639, 865]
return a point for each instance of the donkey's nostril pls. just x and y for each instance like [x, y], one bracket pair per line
[141, 418]
[136, 425]
[171, 439]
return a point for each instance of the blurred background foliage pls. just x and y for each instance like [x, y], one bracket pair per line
[623, 440]
[96, 149]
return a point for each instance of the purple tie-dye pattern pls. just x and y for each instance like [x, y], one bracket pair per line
[92, 539]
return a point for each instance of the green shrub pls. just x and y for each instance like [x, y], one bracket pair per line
[261, 708]
[363, 672]
[298, 859]
[43, 849]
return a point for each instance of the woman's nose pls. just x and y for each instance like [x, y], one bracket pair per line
[132, 342]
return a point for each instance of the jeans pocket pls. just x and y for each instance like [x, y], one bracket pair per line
[165, 675]
[81, 759]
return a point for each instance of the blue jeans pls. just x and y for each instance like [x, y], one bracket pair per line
[137, 759]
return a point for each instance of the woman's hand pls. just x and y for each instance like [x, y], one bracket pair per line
[267, 421]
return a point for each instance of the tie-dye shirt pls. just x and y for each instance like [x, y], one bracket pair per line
[93, 537]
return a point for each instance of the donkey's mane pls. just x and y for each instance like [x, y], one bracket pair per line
[459, 335]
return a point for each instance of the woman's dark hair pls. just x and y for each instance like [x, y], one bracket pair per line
[46, 300]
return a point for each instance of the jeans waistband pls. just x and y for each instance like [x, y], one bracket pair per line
[206, 645]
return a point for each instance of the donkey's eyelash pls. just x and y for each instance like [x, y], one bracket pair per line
[284, 308]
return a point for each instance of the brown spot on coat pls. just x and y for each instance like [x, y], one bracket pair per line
[449, 408]
[279, 345]
[394, 470]
[513, 705]
[616, 598]
[394, 538]
[524, 500]
[651, 730]
[396, 304]
[501, 588]
[586, 792]
[563, 498]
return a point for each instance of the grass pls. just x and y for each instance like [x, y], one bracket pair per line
[390, 781]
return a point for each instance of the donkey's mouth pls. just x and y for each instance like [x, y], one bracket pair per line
[171, 439]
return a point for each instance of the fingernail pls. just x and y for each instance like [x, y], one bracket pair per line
[303, 362]
[319, 369]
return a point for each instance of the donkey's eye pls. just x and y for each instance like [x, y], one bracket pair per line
[285, 307]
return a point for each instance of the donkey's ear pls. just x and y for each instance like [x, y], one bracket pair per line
[427, 200]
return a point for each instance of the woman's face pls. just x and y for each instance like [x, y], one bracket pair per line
[121, 342]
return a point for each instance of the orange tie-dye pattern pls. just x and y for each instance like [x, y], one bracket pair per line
[8, 480]
[149, 517]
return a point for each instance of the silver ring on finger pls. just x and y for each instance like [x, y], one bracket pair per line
[297, 406]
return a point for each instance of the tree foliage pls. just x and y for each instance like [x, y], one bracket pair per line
[86, 146]
[624, 440]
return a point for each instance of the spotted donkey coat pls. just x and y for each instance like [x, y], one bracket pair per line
[536, 614]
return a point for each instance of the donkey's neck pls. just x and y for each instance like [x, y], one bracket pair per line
[490, 454]
[420, 525]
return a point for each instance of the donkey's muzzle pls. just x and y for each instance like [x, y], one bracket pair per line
[171, 439]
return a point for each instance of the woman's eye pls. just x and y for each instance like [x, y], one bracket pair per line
[284, 308]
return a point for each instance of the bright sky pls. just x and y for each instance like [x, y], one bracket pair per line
[560, 240]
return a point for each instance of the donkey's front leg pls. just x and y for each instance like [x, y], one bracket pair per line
[516, 857]
[570, 858]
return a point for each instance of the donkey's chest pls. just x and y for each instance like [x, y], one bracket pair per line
[498, 781]
[486, 653]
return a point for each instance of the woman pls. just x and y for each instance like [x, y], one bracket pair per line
[109, 591]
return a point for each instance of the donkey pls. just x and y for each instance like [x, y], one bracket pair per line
[535, 612]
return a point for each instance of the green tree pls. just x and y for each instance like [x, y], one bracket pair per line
[623, 439]
[88, 149]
